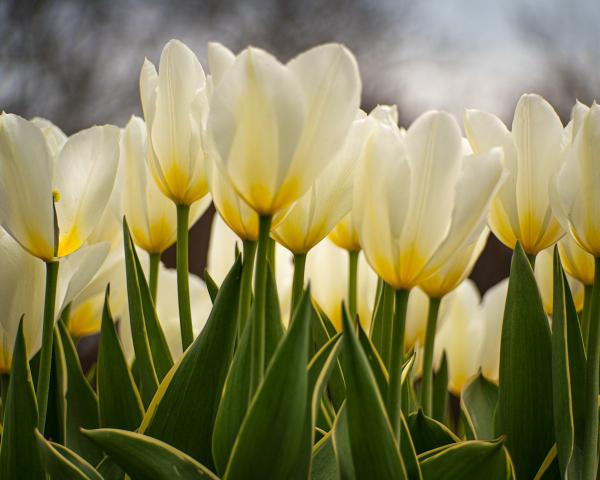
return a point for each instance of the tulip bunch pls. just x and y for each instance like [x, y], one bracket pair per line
[335, 333]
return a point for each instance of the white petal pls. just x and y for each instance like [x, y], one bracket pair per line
[221, 249]
[493, 315]
[55, 137]
[433, 146]
[25, 186]
[85, 175]
[220, 58]
[537, 132]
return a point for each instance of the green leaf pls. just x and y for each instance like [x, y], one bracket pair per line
[427, 433]
[524, 411]
[184, 409]
[82, 403]
[110, 470]
[143, 457]
[19, 455]
[161, 354]
[274, 327]
[139, 335]
[271, 435]
[324, 464]
[408, 451]
[64, 464]
[375, 452]
[440, 391]
[377, 366]
[381, 324]
[118, 398]
[478, 403]
[211, 285]
[341, 445]
[56, 418]
[470, 459]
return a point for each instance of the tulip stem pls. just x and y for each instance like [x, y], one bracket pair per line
[260, 298]
[183, 281]
[388, 319]
[298, 283]
[153, 277]
[352, 282]
[585, 315]
[249, 254]
[43, 382]
[397, 359]
[590, 439]
[427, 382]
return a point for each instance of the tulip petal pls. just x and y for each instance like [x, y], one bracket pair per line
[433, 146]
[537, 132]
[220, 58]
[85, 175]
[486, 131]
[25, 186]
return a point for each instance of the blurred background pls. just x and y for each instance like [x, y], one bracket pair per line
[77, 62]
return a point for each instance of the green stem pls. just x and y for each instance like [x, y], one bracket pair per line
[153, 277]
[397, 360]
[249, 253]
[43, 382]
[427, 383]
[183, 280]
[352, 283]
[388, 320]
[585, 315]
[298, 282]
[590, 439]
[260, 298]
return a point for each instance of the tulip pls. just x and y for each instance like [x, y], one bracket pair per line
[274, 128]
[419, 202]
[175, 105]
[22, 292]
[167, 311]
[50, 203]
[327, 271]
[575, 196]
[150, 215]
[544, 275]
[532, 155]
[462, 323]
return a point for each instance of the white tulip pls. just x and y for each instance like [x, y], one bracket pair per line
[492, 310]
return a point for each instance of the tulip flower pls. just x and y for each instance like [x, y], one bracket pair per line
[274, 129]
[532, 155]
[575, 196]
[419, 202]
[22, 287]
[167, 311]
[327, 271]
[544, 275]
[175, 105]
[50, 203]
[462, 323]
[150, 215]
[492, 311]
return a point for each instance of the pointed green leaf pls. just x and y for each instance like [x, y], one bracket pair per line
[184, 409]
[64, 464]
[271, 435]
[409, 452]
[273, 328]
[211, 285]
[324, 464]
[139, 334]
[56, 418]
[375, 452]
[82, 403]
[341, 445]
[427, 433]
[109, 469]
[19, 455]
[470, 459]
[143, 457]
[159, 348]
[377, 366]
[440, 391]
[118, 398]
[524, 411]
[478, 403]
